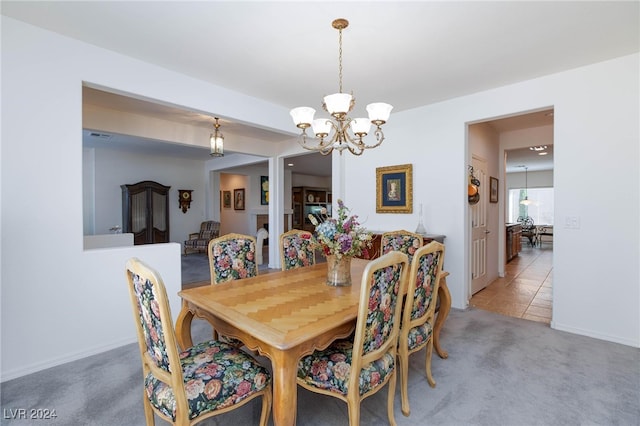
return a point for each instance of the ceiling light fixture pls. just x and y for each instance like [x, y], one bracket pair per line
[526, 200]
[217, 141]
[538, 148]
[334, 134]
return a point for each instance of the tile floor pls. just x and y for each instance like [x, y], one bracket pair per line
[526, 290]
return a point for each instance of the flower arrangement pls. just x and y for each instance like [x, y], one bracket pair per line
[342, 236]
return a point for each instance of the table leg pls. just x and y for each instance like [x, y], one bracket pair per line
[444, 297]
[285, 388]
[183, 326]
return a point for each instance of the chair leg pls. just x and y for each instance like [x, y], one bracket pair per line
[403, 364]
[432, 382]
[353, 406]
[266, 406]
[391, 397]
[148, 411]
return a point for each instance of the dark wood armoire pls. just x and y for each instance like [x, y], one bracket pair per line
[145, 212]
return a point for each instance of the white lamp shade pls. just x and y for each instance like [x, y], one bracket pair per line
[379, 111]
[217, 145]
[360, 125]
[302, 115]
[321, 126]
[338, 103]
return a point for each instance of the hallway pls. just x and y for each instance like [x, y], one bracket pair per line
[526, 290]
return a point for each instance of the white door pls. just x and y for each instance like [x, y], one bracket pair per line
[479, 229]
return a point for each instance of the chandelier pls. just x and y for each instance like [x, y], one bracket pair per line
[340, 132]
[217, 141]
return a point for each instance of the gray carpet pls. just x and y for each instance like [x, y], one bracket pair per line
[195, 267]
[500, 371]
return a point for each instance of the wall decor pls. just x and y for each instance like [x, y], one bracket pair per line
[184, 199]
[226, 199]
[264, 190]
[394, 189]
[238, 199]
[493, 190]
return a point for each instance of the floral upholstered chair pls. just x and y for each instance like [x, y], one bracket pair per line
[355, 368]
[202, 381]
[296, 249]
[199, 241]
[232, 257]
[403, 241]
[416, 331]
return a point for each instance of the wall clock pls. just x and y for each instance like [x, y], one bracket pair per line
[184, 199]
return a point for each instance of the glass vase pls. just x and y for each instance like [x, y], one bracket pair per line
[338, 271]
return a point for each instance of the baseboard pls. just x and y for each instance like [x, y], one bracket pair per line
[34, 368]
[599, 336]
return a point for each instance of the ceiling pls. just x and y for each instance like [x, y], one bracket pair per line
[406, 53]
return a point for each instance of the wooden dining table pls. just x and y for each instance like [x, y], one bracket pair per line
[283, 315]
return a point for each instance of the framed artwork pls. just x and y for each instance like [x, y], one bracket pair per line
[394, 189]
[238, 199]
[226, 199]
[264, 190]
[493, 190]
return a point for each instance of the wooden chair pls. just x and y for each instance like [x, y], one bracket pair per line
[529, 231]
[220, 377]
[355, 368]
[296, 250]
[404, 241]
[418, 314]
[232, 257]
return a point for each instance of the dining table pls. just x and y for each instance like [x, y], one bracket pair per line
[282, 315]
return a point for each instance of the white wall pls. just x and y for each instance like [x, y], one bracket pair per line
[594, 105]
[114, 167]
[48, 306]
[70, 301]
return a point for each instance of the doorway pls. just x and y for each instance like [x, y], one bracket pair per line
[524, 285]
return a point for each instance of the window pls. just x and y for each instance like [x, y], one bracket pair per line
[540, 209]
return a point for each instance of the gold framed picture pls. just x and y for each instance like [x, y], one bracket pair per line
[394, 189]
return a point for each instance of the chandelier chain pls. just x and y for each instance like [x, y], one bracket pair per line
[340, 60]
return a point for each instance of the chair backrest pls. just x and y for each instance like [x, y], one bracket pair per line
[526, 223]
[384, 282]
[232, 257]
[209, 229]
[156, 336]
[424, 280]
[296, 249]
[403, 241]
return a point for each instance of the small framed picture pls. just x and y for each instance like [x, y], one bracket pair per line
[226, 199]
[264, 190]
[394, 189]
[238, 199]
[493, 190]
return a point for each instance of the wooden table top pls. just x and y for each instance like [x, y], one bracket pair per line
[285, 308]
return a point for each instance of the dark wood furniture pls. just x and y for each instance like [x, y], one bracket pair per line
[307, 200]
[513, 243]
[145, 212]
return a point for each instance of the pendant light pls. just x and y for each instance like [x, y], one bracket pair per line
[526, 200]
[216, 140]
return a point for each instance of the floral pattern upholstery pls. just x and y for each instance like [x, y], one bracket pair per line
[296, 250]
[419, 312]
[403, 241]
[232, 257]
[215, 374]
[149, 314]
[330, 369]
